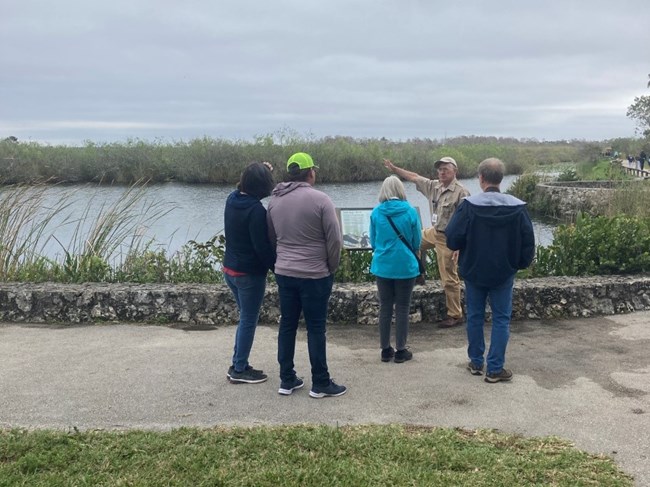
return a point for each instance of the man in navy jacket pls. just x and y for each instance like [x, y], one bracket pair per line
[494, 235]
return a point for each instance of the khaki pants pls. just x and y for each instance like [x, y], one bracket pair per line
[431, 239]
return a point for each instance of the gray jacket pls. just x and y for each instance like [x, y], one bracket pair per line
[304, 230]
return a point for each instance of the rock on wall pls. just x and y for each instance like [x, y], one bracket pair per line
[349, 303]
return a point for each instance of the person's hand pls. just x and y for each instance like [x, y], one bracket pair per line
[454, 256]
[389, 165]
[268, 165]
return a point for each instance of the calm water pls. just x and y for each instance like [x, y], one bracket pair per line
[196, 212]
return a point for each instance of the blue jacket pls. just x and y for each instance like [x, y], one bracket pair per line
[494, 235]
[392, 259]
[248, 248]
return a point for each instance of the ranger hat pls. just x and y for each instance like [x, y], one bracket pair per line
[445, 160]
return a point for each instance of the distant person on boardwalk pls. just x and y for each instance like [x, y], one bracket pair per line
[305, 231]
[394, 264]
[642, 159]
[444, 195]
[494, 235]
[249, 255]
[630, 160]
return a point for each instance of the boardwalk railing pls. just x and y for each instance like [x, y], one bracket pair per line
[640, 173]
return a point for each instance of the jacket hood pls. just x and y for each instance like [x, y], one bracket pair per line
[241, 200]
[285, 188]
[393, 207]
[496, 209]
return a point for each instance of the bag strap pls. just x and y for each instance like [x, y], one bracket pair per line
[400, 236]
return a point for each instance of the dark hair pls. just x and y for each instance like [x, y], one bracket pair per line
[294, 173]
[256, 180]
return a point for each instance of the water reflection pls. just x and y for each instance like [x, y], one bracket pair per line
[196, 212]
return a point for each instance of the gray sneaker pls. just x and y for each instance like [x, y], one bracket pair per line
[330, 390]
[503, 376]
[474, 369]
[248, 376]
[288, 386]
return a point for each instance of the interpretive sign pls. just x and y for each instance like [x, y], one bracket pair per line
[355, 227]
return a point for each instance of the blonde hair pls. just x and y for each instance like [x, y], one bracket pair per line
[392, 188]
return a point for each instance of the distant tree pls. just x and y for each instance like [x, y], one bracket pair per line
[640, 111]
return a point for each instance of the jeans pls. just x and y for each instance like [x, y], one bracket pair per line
[249, 294]
[501, 305]
[397, 293]
[311, 297]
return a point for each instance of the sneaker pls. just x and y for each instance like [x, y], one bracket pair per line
[450, 322]
[330, 390]
[288, 386]
[403, 356]
[248, 376]
[231, 369]
[387, 354]
[504, 375]
[474, 369]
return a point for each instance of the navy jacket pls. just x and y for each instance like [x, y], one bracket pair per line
[494, 235]
[248, 248]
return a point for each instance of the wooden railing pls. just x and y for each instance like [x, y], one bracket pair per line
[640, 173]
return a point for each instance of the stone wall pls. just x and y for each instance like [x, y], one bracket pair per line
[566, 199]
[350, 303]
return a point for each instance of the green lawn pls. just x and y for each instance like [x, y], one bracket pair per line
[297, 455]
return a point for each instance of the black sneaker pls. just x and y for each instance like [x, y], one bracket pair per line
[231, 369]
[387, 354]
[474, 369]
[504, 375]
[403, 356]
[248, 376]
[288, 386]
[330, 390]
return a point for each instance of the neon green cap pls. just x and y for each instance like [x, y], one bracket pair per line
[303, 160]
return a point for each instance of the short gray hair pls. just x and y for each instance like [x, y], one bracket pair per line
[492, 170]
[391, 188]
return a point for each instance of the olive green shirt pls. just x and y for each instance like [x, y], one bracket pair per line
[442, 201]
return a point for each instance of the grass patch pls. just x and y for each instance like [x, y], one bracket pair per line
[297, 455]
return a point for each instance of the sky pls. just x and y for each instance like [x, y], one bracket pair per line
[82, 70]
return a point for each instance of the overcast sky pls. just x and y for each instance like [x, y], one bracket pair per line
[75, 70]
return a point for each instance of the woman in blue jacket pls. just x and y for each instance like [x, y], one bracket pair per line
[249, 256]
[394, 264]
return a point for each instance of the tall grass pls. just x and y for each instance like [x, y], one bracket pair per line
[208, 160]
[24, 224]
[102, 236]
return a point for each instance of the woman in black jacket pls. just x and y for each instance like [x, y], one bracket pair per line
[249, 256]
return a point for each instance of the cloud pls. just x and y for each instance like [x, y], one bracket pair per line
[77, 70]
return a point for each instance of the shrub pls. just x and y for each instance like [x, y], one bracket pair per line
[596, 245]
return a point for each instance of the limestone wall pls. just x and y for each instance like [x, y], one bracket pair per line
[566, 199]
[354, 304]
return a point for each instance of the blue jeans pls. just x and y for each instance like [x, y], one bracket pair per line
[501, 305]
[311, 297]
[249, 294]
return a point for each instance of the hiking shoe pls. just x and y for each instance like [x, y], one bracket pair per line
[504, 375]
[450, 322]
[288, 386]
[330, 390]
[248, 376]
[403, 356]
[387, 354]
[474, 369]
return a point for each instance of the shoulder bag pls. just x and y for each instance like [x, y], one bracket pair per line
[421, 278]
